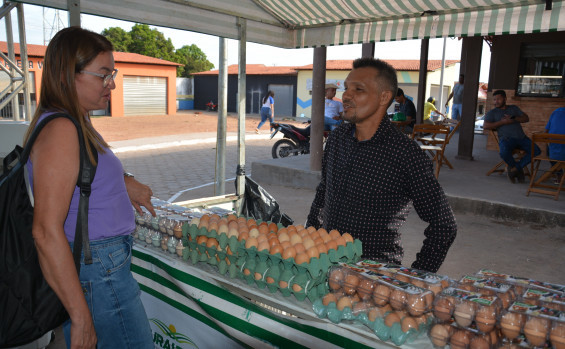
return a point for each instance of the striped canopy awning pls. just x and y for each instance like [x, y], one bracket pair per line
[311, 23]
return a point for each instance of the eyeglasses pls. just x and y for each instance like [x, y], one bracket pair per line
[105, 77]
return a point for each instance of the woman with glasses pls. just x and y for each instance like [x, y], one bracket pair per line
[103, 301]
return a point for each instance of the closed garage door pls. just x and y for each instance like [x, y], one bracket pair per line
[145, 95]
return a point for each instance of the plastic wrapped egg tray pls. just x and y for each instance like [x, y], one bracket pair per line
[542, 327]
[521, 284]
[394, 310]
[544, 298]
[444, 334]
[162, 231]
[292, 260]
[488, 287]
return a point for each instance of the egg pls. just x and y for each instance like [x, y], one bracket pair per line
[263, 246]
[329, 298]
[381, 294]
[251, 222]
[391, 319]
[494, 336]
[376, 312]
[443, 308]
[312, 252]
[276, 249]
[251, 242]
[203, 224]
[283, 237]
[511, 324]
[435, 288]
[347, 237]
[460, 340]
[262, 238]
[416, 304]
[215, 217]
[299, 248]
[295, 239]
[201, 240]
[296, 288]
[350, 283]
[253, 232]
[307, 242]
[439, 335]
[285, 244]
[467, 287]
[211, 242]
[464, 313]
[233, 232]
[242, 220]
[401, 314]
[331, 245]
[315, 235]
[243, 229]
[274, 241]
[397, 299]
[340, 241]
[243, 235]
[486, 318]
[303, 233]
[195, 221]
[326, 238]
[480, 342]
[335, 279]
[258, 276]
[536, 330]
[246, 271]
[299, 227]
[407, 323]
[557, 335]
[322, 248]
[365, 289]
[232, 217]
[223, 229]
[213, 225]
[344, 302]
[273, 227]
[283, 284]
[289, 252]
[301, 258]
[322, 232]
[334, 234]
[506, 298]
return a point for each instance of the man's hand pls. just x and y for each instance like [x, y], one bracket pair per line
[508, 119]
[139, 195]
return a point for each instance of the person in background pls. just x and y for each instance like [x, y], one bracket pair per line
[333, 109]
[407, 107]
[556, 125]
[457, 95]
[371, 172]
[430, 107]
[103, 301]
[506, 120]
[267, 110]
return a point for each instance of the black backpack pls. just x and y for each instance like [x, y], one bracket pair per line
[29, 307]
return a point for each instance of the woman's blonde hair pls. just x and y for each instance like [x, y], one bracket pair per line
[70, 50]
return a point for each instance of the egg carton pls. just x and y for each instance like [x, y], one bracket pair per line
[469, 310]
[420, 278]
[489, 287]
[537, 324]
[448, 334]
[389, 325]
[381, 289]
[544, 298]
[520, 283]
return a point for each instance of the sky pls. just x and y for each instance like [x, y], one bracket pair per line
[39, 22]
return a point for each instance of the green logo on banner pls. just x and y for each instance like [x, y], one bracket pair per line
[170, 336]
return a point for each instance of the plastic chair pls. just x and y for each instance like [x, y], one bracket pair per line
[431, 143]
[502, 167]
[538, 185]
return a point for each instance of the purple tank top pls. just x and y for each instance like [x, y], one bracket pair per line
[110, 211]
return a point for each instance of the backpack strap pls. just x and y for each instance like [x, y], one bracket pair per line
[87, 170]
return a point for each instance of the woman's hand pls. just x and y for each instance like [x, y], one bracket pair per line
[139, 195]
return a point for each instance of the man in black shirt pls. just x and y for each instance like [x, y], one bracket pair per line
[406, 106]
[371, 172]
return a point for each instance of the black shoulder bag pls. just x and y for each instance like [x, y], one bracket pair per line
[28, 306]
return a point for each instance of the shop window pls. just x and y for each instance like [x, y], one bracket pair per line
[541, 72]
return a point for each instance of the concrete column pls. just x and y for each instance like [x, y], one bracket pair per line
[318, 92]
[422, 80]
[220, 187]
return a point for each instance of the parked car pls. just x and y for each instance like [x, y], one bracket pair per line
[479, 124]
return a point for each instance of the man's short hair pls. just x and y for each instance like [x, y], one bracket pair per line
[399, 92]
[499, 92]
[387, 74]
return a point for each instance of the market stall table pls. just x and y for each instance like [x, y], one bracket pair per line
[195, 304]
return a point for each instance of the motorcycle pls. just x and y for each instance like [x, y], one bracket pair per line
[210, 106]
[295, 140]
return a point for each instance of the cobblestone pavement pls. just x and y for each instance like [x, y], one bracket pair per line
[170, 170]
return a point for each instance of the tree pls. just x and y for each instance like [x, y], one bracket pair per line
[194, 60]
[150, 42]
[120, 38]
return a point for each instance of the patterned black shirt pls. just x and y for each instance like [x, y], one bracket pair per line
[366, 188]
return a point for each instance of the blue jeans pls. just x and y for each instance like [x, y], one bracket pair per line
[265, 114]
[330, 124]
[456, 111]
[507, 145]
[112, 295]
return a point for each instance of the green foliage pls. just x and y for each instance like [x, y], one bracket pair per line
[151, 42]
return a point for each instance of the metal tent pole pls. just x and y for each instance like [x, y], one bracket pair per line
[220, 188]
[25, 63]
[241, 92]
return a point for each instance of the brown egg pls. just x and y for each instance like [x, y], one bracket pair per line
[246, 271]
[312, 252]
[486, 318]
[557, 335]
[401, 314]
[329, 298]
[327, 238]
[284, 237]
[243, 229]
[322, 232]
[274, 241]
[318, 241]
[253, 232]
[311, 229]
[315, 235]
[203, 223]
[273, 227]
[331, 245]
[251, 222]
[365, 289]
[276, 249]
[460, 340]
[282, 230]
[391, 319]
[215, 217]
[295, 239]
[336, 279]
[439, 335]
[397, 299]
[251, 242]
[350, 283]
[283, 284]
[536, 330]
[232, 217]
[494, 335]
[299, 227]
[301, 258]
[296, 288]
[480, 342]
[201, 240]
[307, 242]
[262, 238]
[435, 288]
[258, 276]
[381, 294]
[340, 241]
[443, 309]
[467, 287]
[211, 242]
[242, 220]
[289, 252]
[347, 237]
[416, 304]
[228, 251]
[270, 280]
[303, 233]
[464, 313]
[511, 324]
[334, 234]
[233, 232]
[213, 225]
[408, 323]
[263, 246]
[322, 248]
[223, 229]
[299, 248]
[285, 244]
[205, 218]
[376, 312]
[243, 235]
[344, 302]
[506, 298]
